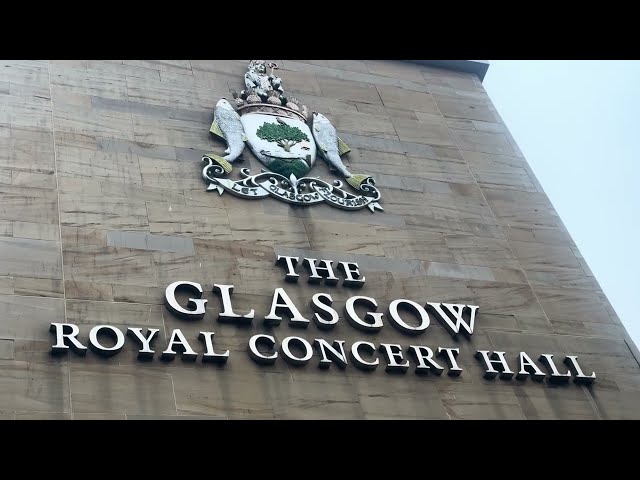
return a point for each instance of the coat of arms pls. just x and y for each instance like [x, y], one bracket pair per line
[285, 138]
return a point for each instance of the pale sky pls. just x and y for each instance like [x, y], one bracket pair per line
[575, 122]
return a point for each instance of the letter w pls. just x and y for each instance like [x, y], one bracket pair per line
[457, 311]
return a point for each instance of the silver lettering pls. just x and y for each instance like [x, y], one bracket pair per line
[572, 362]
[291, 263]
[424, 359]
[196, 304]
[358, 360]
[227, 314]
[357, 322]
[400, 324]
[145, 342]
[209, 355]
[258, 357]
[289, 357]
[318, 306]
[391, 352]
[351, 273]
[323, 265]
[497, 359]
[336, 352]
[556, 376]
[100, 349]
[450, 355]
[288, 307]
[457, 311]
[528, 368]
[61, 346]
[178, 339]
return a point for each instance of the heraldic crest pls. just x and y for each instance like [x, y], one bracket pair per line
[285, 138]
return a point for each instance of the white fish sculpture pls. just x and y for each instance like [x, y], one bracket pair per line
[226, 124]
[330, 147]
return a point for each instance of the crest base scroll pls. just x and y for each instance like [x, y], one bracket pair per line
[298, 191]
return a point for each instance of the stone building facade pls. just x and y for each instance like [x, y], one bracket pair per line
[104, 205]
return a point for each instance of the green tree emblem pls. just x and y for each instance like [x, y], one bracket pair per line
[283, 134]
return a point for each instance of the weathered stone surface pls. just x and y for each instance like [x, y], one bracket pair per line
[36, 231]
[348, 90]
[112, 313]
[364, 124]
[269, 229]
[146, 241]
[22, 257]
[6, 349]
[92, 263]
[25, 72]
[85, 82]
[601, 355]
[567, 304]
[352, 70]
[29, 317]
[173, 132]
[118, 67]
[402, 99]
[103, 205]
[139, 148]
[455, 270]
[200, 391]
[169, 174]
[430, 130]
[113, 389]
[556, 404]
[485, 142]
[28, 204]
[200, 78]
[616, 405]
[94, 209]
[98, 165]
[38, 287]
[179, 66]
[205, 269]
[27, 155]
[172, 95]
[199, 222]
[34, 387]
[94, 123]
[463, 401]
[84, 236]
[88, 290]
[464, 108]
[388, 68]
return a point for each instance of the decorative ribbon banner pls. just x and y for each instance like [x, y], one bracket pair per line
[336, 197]
[287, 195]
[240, 189]
[298, 191]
